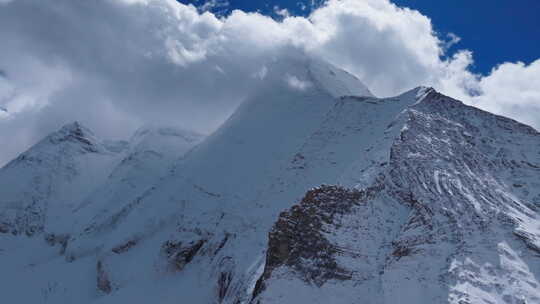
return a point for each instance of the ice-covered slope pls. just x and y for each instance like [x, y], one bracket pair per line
[41, 186]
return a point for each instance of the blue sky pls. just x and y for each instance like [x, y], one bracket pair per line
[495, 31]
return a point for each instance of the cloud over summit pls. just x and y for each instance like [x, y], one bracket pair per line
[117, 64]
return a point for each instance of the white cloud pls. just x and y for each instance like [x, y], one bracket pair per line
[115, 64]
[297, 83]
[283, 12]
[512, 89]
[7, 91]
[216, 6]
[452, 40]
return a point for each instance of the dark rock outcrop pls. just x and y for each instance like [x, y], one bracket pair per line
[180, 255]
[297, 239]
[103, 282]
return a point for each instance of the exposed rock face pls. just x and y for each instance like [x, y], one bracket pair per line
[124, 247]
[303, 238]
[58, 240]
[224, 282]
[298, 242]
[103, 282]
[4, 228]
[180, 255]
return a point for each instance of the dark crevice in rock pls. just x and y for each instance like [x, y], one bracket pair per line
[224, 282]
[58, 239]
[124, 247]
[103, 282]
[401, 251]
[225, 275]
[178, 255]
[222, 244]
[528, 239]
[4, 228]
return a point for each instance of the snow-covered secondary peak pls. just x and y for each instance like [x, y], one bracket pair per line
[164, 143]
[74, 137]
[70, 140]
[48, 179]
[77, 130]
[152, 154]
[72, 168]
[145, 135]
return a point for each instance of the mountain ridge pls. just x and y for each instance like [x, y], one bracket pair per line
[305, 195]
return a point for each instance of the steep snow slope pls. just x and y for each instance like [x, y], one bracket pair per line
[234, 165]
[197, 195]
[452, 218]
[42, 185]
[225, 195]
[153, 151]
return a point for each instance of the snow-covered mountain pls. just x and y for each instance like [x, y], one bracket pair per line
[314, 191]
[153, 152]
[42, 185]
[451, 217]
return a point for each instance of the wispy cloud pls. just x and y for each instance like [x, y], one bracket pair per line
[215, 6]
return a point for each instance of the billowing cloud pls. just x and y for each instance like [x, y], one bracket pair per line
[512, 89]
[117, 64]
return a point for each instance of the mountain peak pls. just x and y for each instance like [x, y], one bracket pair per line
[418, 93]
[76, 127]
[163, 138]
[337, 82]
[75, 132]
[313, 74]
[423, 90]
